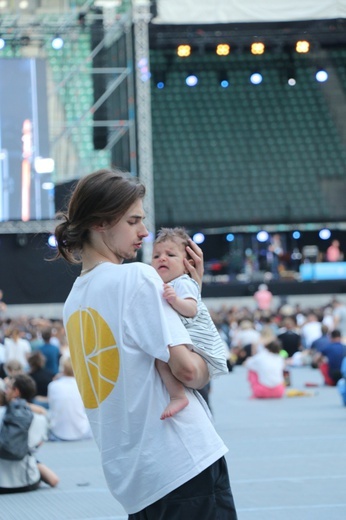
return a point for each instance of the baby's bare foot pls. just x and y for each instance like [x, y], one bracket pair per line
[175, 405]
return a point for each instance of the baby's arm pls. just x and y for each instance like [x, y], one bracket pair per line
[186, 307]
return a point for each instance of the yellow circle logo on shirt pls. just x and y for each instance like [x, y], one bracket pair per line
[94, 355]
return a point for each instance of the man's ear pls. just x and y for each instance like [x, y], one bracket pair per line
[99, 227]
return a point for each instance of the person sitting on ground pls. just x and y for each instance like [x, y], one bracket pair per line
[183, 294]
[41, 376]
[67, 417]
[341, 384]
[266, 371]
[27, 473]
[288, 336]
[330, 358]
[12, 368]
[50, 351]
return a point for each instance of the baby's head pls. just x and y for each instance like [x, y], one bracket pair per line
[169, 252]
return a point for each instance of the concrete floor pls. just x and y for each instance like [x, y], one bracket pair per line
[287, 459]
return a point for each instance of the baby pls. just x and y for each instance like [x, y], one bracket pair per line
[183, 294]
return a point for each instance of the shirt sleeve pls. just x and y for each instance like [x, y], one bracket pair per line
[150, 321]
[186, 287]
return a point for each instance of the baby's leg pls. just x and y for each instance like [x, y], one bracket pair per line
[175, 388]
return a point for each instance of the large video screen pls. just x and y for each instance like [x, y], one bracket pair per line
[26, 190]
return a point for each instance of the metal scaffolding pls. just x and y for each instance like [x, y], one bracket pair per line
[141, 19]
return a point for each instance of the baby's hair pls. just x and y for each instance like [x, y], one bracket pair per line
[177, 234]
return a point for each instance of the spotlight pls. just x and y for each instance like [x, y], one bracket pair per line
[230, 237]
[223, 79]
[191, 80]
[324, 234]
[302, 46]
[257, 48]
[198, 238]
[262, 236]
[52, 242]
[321, 76]
[160, 79]
[143, 66]
[292, 82]
[57, 43]
[2, 43]
[184, 51]
[256, 78]
[223, 49]
[296, 235]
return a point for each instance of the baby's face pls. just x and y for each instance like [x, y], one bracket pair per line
[168, 260]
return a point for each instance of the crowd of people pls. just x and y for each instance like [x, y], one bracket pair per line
[271, 342]
[158, 344]
[35, 366]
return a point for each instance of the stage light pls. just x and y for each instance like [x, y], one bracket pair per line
[48, 186]
[262, 236]
[230, 237]
[296, 235]
[57, 43]
[256, 78]
[292, 82]
[2, 43]
[324, 234]
[143, 66]
[198, 238]
[191, 80]
[223, 49]
[223, 79]
[52, 242]
[159, 79]
[184, 51]
[321, 76]
[257, 48]
[302, 46]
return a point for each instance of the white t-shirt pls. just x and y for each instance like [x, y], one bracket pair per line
[117, 323]
[17, 350]
[67, 417]
[268, 366]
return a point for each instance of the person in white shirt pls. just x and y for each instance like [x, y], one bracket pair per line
[117, 324]
[67, 418]
[266, 371]
[17, 348]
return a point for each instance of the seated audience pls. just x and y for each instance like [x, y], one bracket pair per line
[17, 347]
[266, 371]
[68, 420]
[330, 357]
[27, 473]
[341, 384]
[50, 351]
[41, 376]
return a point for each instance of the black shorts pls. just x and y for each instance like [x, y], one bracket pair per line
[30, 487]
[207, 496]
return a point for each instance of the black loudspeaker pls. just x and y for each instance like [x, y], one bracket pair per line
[62, 194]
[100, 134]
